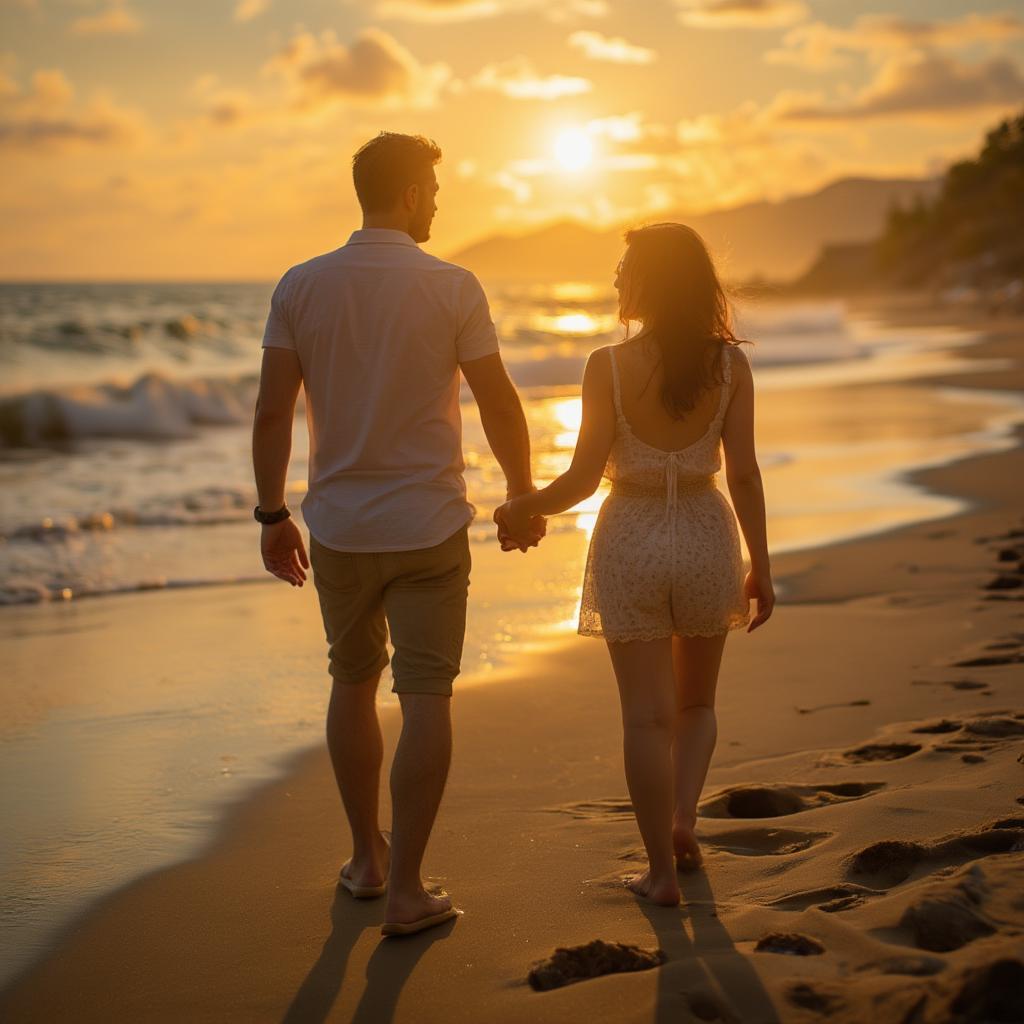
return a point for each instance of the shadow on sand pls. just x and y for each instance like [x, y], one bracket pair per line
[387, 971]
[707, 973]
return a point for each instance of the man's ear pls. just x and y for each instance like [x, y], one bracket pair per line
[411, 197]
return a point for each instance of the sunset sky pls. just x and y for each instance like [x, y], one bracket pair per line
[145, 139]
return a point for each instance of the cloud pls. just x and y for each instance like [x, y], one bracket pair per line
[614, 49]
[740, 13]
[819, 47]
[375, 69]
[44, 117]
[246, 10]
[116, 20]
[926, 84]
[517, 80]
[467, 10]
[228, 107]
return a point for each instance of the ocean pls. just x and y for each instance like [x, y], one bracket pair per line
[125, 415]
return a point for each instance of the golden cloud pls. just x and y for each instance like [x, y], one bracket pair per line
[44, 117]
[517, 79]
[740, 13]
[246, 10]
[924, 84]
[466, 10]
[818, 47]
[116, 20]
[614, 49]
[373, 70]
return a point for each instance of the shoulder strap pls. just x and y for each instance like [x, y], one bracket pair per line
[615, 380]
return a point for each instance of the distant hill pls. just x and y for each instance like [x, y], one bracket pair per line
[969, 235]
[773, 240]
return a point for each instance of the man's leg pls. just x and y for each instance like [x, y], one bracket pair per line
[356, 747]
[425, 601]
[418, 776]
[348, 586]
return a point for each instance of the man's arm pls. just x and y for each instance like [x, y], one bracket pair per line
[284, 553]
[501, 414]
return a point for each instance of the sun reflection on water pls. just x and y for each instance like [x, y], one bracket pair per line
[575, 323]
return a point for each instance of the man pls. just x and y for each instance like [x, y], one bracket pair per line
[377, 332]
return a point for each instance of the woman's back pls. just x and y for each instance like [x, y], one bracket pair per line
[640, 384]
[651, 445]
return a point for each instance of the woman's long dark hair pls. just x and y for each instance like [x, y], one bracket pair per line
[669, 284]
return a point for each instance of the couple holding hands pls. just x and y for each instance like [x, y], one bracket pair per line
[377, 333]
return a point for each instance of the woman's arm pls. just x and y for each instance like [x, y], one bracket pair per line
[581, 479]
[743, 477]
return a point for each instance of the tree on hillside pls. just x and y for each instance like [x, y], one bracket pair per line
[972, 231]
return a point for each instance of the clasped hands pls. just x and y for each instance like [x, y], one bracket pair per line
[517, 529]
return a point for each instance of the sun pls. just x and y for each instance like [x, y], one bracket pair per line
[574, 149]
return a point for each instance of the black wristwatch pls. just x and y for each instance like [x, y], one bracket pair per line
[269, 518]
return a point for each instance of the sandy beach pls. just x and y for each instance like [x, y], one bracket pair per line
[862, 822]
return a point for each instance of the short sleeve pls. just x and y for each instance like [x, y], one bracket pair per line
[476, 337]
[278, 332]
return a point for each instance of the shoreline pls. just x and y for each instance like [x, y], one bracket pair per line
[864, 572]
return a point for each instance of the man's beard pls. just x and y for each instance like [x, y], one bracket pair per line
[421, 230]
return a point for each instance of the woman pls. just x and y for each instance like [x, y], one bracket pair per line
[664, 577]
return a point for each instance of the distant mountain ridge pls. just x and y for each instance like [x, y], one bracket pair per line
[773, 240]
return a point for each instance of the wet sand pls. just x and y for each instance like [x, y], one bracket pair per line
[862, 823]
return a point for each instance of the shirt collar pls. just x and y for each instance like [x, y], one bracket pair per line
[380, 236]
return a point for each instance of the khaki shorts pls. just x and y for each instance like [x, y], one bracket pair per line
[420, 595]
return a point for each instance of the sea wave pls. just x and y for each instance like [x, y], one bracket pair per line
[154, 407]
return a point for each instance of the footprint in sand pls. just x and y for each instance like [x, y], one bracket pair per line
[831, 899]
[764, 842]
[815, 998]
[911, 966]
[704, 1007]
[881, 752]
[893, 861]
[944, 725]
[987, 660]
[612, 808]
[993, 992]
[947, 920]
[570, 964]
[776, 801]
[789, 943]
[751, 842]
[955, 684]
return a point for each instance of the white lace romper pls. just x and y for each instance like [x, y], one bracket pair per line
[665, 555]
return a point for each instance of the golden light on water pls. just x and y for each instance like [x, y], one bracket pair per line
[575, 324]
[568, 413]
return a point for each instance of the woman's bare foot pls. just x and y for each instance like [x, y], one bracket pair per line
[409, 907]
[663, 892]
[371, 870]
[687, 849]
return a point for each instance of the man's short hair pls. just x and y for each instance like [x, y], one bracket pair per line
[387, 165]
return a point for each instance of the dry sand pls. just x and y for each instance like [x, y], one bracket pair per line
[862, 824]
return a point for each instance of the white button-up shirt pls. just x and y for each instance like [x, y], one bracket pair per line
[380, 328]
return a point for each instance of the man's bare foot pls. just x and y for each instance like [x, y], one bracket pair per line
[369, 871]
[687, 849]
[409, 907]
[663, 892]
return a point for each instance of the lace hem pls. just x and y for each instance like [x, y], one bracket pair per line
[599, 633]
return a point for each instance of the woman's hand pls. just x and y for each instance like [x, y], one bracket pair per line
[758, 587]
[284, 553]
[517, 529]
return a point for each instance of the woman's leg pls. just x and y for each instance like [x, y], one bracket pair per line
[694, 731]
[643, 670]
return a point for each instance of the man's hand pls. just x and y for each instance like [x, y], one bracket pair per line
[284, 553]
[517, 529]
